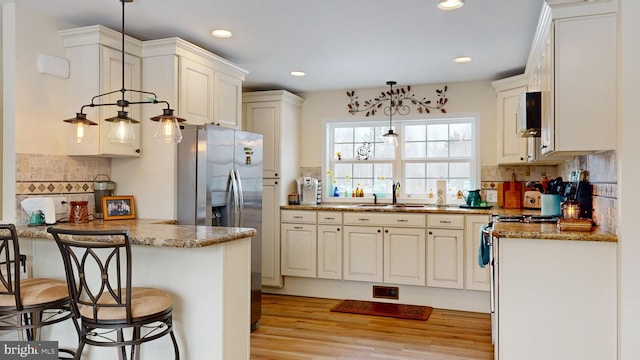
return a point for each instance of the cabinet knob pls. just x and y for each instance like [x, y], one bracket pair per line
[521, 158]
[338, 229]
[430, 233]
[138, 151]
[276, 174]
[379, 230]
[276, 183]
[386, 231]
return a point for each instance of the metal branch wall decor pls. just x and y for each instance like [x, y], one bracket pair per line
[400, 100]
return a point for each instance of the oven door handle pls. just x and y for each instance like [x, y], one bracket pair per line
[492, 273]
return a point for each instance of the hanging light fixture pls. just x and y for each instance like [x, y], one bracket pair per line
[391, 138]
[121, 128]
[450, 4]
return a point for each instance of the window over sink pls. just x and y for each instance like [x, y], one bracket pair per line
[429, 149]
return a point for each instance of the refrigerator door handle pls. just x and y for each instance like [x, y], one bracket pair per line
[240, 201]
[232, 199]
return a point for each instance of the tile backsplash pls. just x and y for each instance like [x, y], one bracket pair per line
[57, 176]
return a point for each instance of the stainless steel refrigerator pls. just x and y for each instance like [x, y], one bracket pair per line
[220, 184]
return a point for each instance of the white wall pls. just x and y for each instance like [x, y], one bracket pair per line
[628, 149]
[469, 97]
[40, 99]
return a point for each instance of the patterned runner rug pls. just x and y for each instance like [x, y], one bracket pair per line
[414, 312]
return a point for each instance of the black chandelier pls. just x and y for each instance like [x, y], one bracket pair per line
[121, 130]
[391, 138]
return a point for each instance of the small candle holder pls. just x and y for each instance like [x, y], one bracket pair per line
[570, 209]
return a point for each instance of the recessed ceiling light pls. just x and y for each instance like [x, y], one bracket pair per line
[450, 4]
[462, 59]
[298, 73]
[222, 34]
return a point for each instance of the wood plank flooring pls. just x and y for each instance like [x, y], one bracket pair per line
[300, 328]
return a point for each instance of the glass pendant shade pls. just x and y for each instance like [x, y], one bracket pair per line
[81, 122]
[121, 130]
[391, 138]
[168, 130]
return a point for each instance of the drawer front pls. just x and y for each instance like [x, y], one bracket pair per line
[380, 219]
[298, 216]
[329, 217]
[445, 221]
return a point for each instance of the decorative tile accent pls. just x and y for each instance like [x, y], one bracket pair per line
[52, 188]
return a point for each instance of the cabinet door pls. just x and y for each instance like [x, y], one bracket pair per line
[362, 253]
[227, 110]
[196, 92]
[404, 256]
[476, 278]
[512, 149]
[330, 251]
[298, 245]
[445, 254]
[271, 234]
[264, 118]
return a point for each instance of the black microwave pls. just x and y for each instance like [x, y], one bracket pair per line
[530, 114]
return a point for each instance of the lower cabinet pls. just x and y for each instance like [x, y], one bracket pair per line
[476, 278]
[271, 275]
[384, 254]
[445, 251]
[330, 251]
[299, 250]
[362, 253]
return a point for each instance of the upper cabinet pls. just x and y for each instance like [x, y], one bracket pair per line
[512, 149]
[209, 87]
[95, 57]
[573, 64]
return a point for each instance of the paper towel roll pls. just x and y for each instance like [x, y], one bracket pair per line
[441, 189]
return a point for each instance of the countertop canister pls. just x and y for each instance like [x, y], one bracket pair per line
[550, 205]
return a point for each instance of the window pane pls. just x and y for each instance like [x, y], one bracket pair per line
[437, 170]
[345, 149]
[363, 170]
[343, 135]
[438, 132]
[415, 150]
[438, 149]
[460, 170]
[414, 170]
[460, 131]
[383, 171]
[381, 130]
[460, 148]
[382, 151]
[415, 186]
[363, 134]
[459, 184]
[343, 170]
[415, 133]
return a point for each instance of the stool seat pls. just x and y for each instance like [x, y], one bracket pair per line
[37, 291]
[144, 302]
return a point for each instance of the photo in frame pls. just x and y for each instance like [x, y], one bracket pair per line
[118, 207]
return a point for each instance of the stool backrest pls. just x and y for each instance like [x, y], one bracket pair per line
[97, 265]
[9, 263]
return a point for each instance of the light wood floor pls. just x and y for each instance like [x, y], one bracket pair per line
[299, 328]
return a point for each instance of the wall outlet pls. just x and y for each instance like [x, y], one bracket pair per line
[61, 208]
[492, 195]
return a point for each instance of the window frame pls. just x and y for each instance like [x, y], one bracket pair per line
[398, 163]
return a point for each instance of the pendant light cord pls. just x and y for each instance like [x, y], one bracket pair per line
[122, 33]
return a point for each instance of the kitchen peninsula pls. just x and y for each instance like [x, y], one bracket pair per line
[205, 269]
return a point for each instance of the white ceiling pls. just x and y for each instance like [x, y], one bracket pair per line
[340, 44]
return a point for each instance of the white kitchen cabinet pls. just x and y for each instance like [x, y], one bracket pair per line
[298, 244]
[196, 91]
[329, 245]
[95, 66]
[404, 256]
[476, 278]
[227, 107]
[575, 48]
[276, 115]
[512, 148]
[362, 253]
[559, 293]
[445, 251]
[271, 275]
[387, 248]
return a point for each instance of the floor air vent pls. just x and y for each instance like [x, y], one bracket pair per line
[386, 292]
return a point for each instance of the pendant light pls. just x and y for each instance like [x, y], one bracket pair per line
[122, 126]
[391, 138]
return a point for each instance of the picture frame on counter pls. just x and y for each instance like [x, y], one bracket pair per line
[118, 207]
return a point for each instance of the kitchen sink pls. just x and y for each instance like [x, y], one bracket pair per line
[393, 205]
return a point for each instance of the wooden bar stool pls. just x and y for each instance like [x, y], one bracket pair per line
[112, 313]
[26, 305]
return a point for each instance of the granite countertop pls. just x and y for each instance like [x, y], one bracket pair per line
[150, 232]
[549, 232]
[410, 208]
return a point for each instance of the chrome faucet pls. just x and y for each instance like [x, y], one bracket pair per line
[394, 187]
